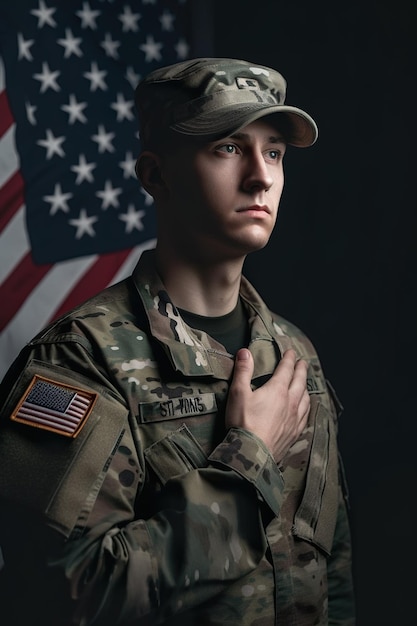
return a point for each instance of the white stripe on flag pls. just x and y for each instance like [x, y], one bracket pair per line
[9, 162]
[2, 75]
[34, 412]
[129, 265]
[14, 243]
[39, 306]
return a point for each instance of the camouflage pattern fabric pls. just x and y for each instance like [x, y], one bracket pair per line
[214, 97]
[152, 513]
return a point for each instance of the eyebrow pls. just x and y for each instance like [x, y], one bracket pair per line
[246, 136]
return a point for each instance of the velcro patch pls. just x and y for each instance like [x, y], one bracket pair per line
[53, 406]
[176, 408]
[247, 83]
[315, 384]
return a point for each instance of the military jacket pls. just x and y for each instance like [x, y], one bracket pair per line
[124, 500]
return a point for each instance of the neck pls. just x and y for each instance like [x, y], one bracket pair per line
[210, 289]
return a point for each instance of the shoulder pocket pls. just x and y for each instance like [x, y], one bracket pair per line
[50, 473]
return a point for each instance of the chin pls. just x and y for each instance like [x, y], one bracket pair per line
[242, 248]
[255, 241]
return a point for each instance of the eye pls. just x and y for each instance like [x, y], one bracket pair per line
[274, 155]
[228, 148]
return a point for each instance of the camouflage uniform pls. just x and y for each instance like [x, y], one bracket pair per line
[151, 512]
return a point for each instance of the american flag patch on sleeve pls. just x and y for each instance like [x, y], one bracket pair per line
[54, 406]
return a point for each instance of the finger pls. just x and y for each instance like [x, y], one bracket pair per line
[299, 379]
[284, 371]
[304, 405]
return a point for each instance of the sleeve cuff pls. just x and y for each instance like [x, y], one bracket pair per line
[247, 455]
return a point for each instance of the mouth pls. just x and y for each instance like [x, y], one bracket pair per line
[255, 210]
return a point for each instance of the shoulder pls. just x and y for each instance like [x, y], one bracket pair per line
[97, 323]
[285, 332]
[317, 381]
[85, 342]
[283, 327]
[110, 302]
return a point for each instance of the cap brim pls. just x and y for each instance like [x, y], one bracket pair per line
[301, 129]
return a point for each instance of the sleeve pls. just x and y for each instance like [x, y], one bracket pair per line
[342, 610]
[340, 583]
[76, 539]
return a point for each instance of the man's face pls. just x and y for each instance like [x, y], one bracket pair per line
[223, 196]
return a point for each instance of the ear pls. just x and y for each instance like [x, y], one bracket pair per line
[148, 171]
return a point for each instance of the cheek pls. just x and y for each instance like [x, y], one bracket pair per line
[279, 189]
[213, 184]
[204, 191]
[278, 185]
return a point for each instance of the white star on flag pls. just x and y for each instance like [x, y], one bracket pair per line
[152, 49]
[104, 140]
[96, 77]
[109, 195]
[110, 46]
[71, 44]
[88, 16]
[183, 49]
[128, 166]
[123, 108]
[84, 224]
[44, 15]
[167, 20]
[48, 78]
[75, 110]
[52, 144]
[129, 20]
[58, 200]
[83, 170]
[132, 218]
[132, 77]
[24, 47]
[30, 113]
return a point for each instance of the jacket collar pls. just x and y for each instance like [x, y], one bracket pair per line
[195, 353]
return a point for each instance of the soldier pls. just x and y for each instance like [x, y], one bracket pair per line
[168, 449]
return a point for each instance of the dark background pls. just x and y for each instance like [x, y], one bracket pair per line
[342, 261]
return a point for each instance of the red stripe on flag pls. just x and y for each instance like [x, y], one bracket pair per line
[6, 117]
[20, 283]
[11, 199]
[100, 275]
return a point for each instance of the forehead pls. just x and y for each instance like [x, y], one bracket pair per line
[270, 128]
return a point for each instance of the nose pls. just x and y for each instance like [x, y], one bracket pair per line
[257, 175]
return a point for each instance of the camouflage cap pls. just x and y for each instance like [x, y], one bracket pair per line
[214, 97]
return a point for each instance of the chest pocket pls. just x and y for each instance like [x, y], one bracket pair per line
[175, 454]
[198, 410]
[176, 435]
[315, 519]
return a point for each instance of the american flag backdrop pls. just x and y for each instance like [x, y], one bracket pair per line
[73, 217]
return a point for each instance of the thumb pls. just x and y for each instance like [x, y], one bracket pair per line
[243, 371]
[239, 388]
